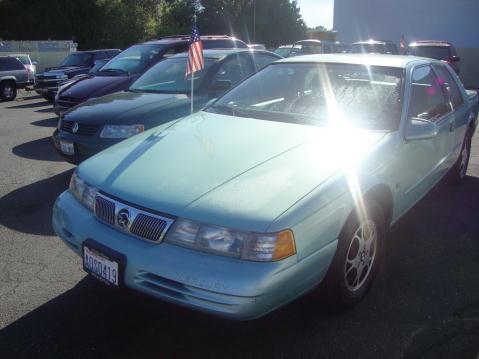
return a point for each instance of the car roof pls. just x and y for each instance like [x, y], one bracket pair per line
[94, 51]
[373, 42]
[177, 38]
[430, 43]
[360, 59]
[222, 53]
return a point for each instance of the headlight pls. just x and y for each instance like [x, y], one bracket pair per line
[263, 247]
[83, 192]
[121, 131]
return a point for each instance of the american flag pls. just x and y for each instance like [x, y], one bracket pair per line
[195, 53]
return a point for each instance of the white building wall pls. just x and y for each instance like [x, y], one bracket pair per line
[452, 20]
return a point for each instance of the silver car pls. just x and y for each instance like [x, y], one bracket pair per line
[13, 76]
[30, 65]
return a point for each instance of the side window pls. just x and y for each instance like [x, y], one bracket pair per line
[445, 78]
[100, 55]
[427, 97]
[112, 54]
[234, 70]
[262, 60]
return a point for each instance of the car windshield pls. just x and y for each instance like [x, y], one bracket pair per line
[168, 76]
[78, 59]
[133, 60]
[98, 65]
[434, 52]
[319, 94]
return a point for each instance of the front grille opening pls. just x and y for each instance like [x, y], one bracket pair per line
[105, 210]
[148, 227]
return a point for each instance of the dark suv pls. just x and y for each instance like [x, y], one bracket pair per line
[439, 50]
[374, 47]
[76, 63]
[119, 73]
[13, 76]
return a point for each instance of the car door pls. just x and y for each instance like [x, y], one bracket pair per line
[423, 162]
[458, 105]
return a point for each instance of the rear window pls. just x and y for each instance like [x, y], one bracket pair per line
[433, 52]
[10, 63]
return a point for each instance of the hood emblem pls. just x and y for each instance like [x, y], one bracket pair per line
[123, 218]
[75, 127]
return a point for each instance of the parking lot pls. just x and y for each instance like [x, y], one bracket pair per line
[424, 303]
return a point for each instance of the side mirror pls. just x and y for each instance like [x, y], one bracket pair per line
[419, 129]
[219, 87]
[455, 59]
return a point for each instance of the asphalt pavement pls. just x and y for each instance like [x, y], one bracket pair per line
[424, 303]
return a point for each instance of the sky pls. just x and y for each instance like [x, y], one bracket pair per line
[317, 12]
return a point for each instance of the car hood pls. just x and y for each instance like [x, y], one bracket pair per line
[68, 70]
[236, 172]
[96, 86]
[148, 109]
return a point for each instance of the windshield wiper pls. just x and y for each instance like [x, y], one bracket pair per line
[118, 71]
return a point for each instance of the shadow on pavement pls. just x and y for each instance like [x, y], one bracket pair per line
[29, 209]
[29, 105]
[425, 303]
[41, 149]
[49, 122]
[46, 110]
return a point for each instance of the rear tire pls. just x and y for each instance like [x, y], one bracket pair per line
[459, 170]
[8, 91]
[357, 259]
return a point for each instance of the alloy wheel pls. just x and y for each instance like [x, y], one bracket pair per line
[361, 255]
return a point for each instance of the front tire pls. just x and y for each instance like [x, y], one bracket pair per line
[358, 257]
[8, 91]
[459, 170]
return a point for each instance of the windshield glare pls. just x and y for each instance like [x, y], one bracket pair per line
[168, 76]
[319, 94]
[133, 60]
[78, 60]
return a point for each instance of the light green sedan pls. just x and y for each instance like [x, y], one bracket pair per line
[290, 180]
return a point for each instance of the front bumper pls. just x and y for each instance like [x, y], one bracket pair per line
[85, 146]
[217, 285]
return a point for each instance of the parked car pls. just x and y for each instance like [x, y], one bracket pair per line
[309, 47]
[374, 47]
[289, 180]
[48, 82]
[439, 50]
[257, 46]
[122, 71]
[283, 50]
[13, 76]
[160, 95]
[30, 65]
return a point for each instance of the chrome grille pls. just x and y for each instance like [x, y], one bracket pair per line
[140, 223]
[105, 210]
[148, 227]
[84, 129]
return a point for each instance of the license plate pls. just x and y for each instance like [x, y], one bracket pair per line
[67, 148]
[101, 266]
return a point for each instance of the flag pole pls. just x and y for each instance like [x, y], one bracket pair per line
[192, 77]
